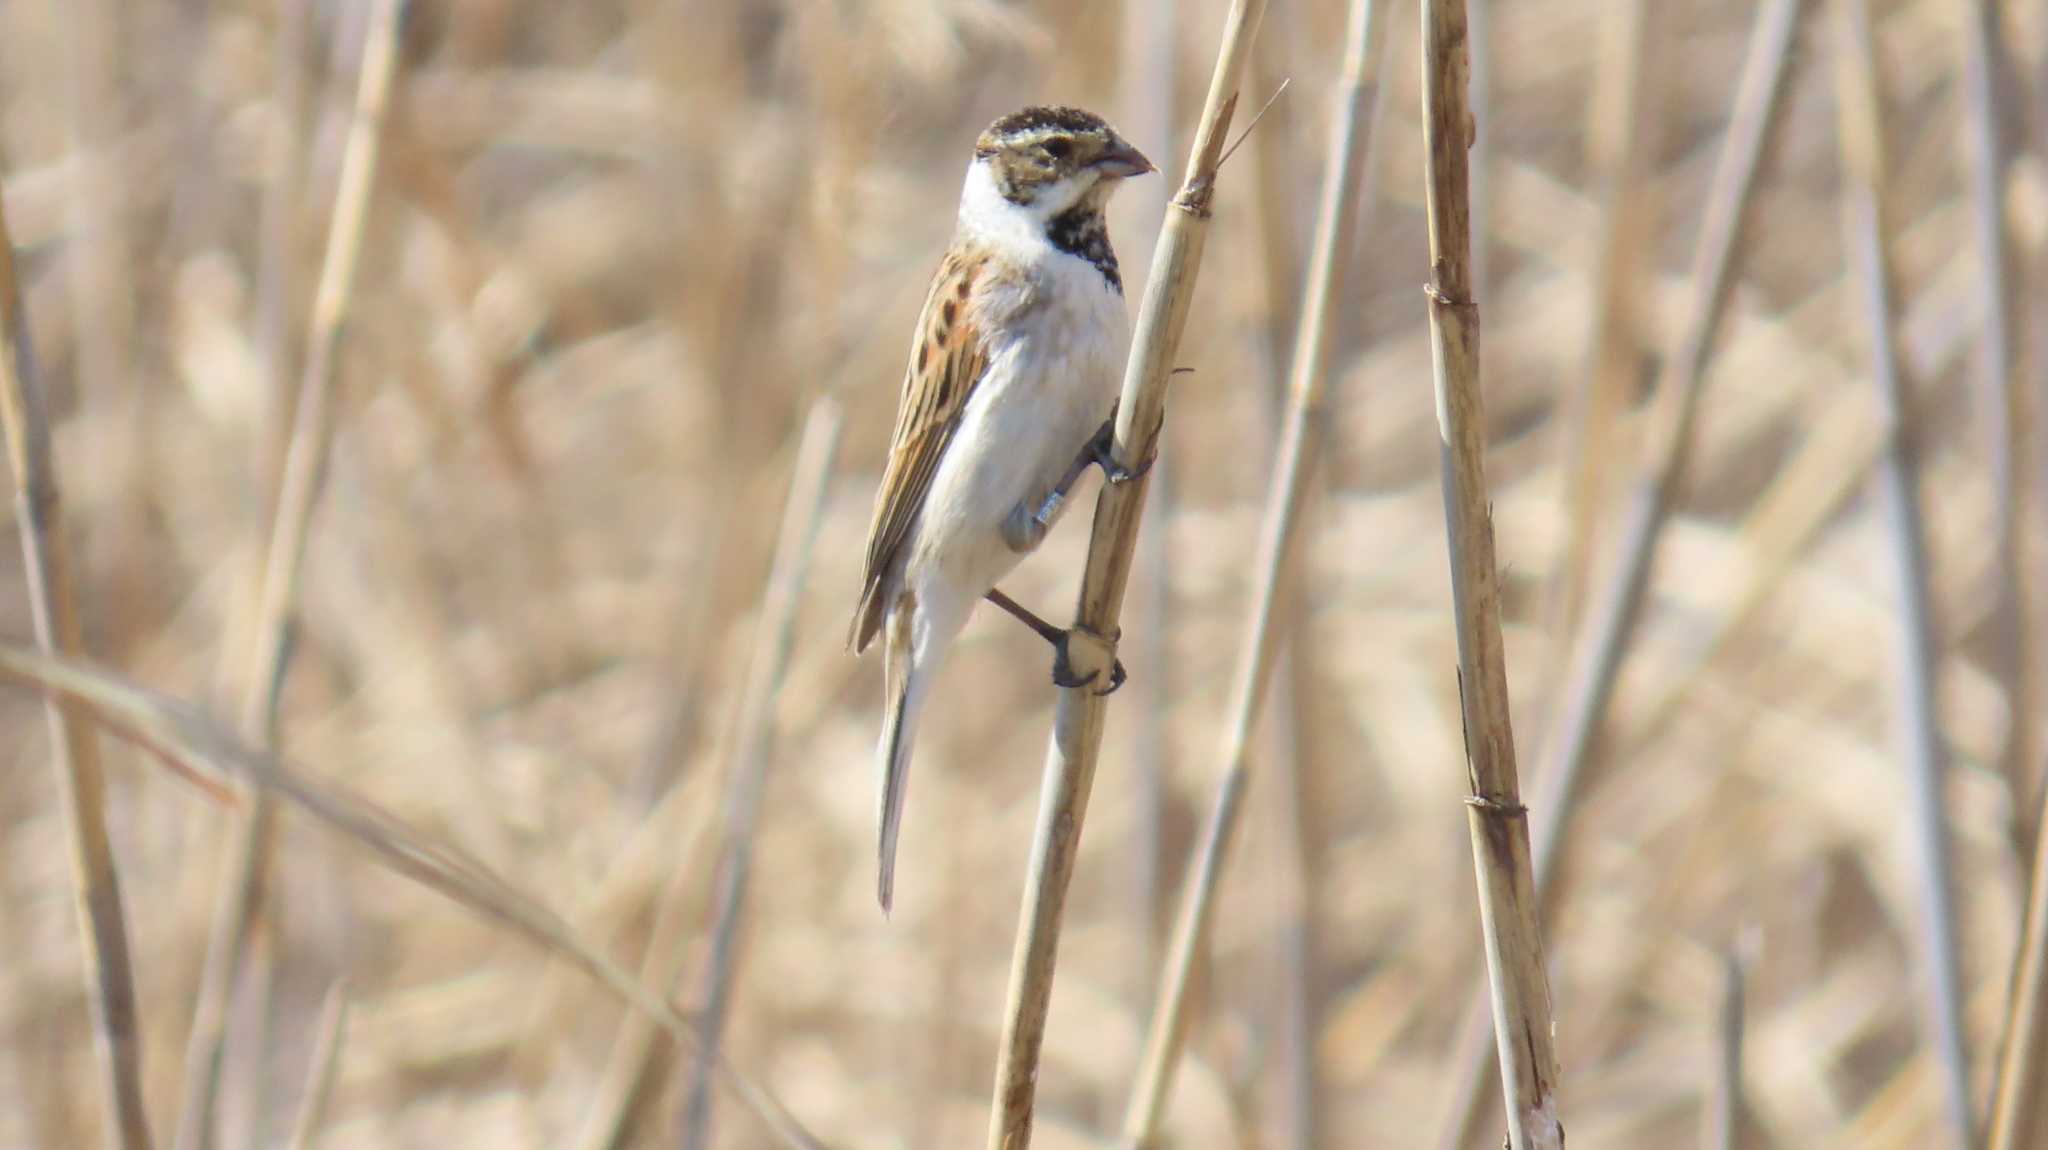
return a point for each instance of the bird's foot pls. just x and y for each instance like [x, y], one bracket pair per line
[1102, 449]
[1064, 675]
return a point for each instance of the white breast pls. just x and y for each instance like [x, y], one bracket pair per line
[1055, 366]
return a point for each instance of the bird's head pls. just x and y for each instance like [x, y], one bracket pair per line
[1049, 159]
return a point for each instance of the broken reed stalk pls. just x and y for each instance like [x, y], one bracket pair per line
[320, 1074]
[1301, 445]
[1721, 1117]
[1499, 822]
[1864, 222]
[1604, 632]
[756, 738]
[1998, 397]
[1078, 718]
[181, 738]
[74, 745]
[241, 882]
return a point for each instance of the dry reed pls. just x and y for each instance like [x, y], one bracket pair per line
[237, 907]
[2018, 1095]
[1300, 448]
[1998, 393]
[1721, 1119]
[74, 746]
[1623, 117]
[1602, 641]
[1865, 222]
[1077, 723]
[1508, 911]
[816, 449]
[331, 1030]
[188, 742]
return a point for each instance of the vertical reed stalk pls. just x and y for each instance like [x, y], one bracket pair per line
[1078, 719]
[1621, 135]
[1303, 433]
[1603, 634]
[1288, 745]
[1499, 821]
[74, 746]
[1151, 57]
[241, 888]
[748, 775]
[1865, 226]
[1998, 397]
[326, 1059]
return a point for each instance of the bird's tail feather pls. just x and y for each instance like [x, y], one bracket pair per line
[904, 690]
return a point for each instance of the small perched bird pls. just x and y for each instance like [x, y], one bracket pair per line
[1013, 378]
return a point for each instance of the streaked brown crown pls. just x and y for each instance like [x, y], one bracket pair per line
[1030, 149]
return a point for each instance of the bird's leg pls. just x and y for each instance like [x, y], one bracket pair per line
[1025, 529]
[1062, 670]
[1024, 532]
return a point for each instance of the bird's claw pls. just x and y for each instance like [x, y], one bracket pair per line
[1063, 674]
[1104, 449]
[1117, 473]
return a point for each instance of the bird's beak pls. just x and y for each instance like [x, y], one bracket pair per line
[1122, 161]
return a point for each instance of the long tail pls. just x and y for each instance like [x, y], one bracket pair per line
[904, 692]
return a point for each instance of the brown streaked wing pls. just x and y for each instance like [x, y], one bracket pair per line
[946, 363]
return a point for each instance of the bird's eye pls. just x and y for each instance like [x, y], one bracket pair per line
[1058, 149]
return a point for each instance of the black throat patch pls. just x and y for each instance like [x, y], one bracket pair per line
[1081, 231]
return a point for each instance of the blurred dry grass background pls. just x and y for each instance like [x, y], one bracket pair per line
[616, 248]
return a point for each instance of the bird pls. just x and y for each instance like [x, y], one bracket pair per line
[1009, 397]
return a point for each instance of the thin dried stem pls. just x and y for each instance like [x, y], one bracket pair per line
[320, 1076]
[241, 890]
[1721, 1117]
[185, 741]
[2018, 1101]
[1622, 118]
[1151, 51]
[637, 1055]
[1499, 822]
[1998, 397]
[1078, 719]
[74, 746]
[1605, 630]
[748, 774]
[278, 266]
[1288, 746]
[1303, 433]
[1865, 227]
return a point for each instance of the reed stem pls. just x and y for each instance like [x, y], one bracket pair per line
[1499, 822]
[1865, 226]
[1078, 719]
[240, 894]
[1304, 429]
[74, 745]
